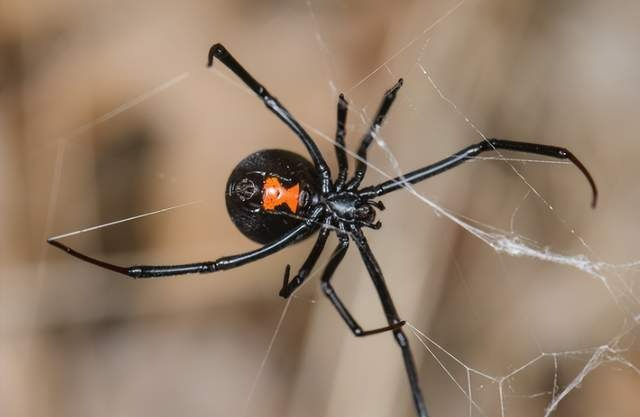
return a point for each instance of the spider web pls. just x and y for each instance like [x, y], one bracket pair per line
[534, 377]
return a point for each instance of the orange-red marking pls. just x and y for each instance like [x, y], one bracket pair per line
[275, 194]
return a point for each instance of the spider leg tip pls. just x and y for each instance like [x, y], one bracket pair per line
[284, 293]
[52, 241]
[342, 101]
[216, 50]
[594, 198]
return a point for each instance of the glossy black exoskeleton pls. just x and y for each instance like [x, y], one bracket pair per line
[245, 188]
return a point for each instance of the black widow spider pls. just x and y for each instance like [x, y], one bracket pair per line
[277, 198]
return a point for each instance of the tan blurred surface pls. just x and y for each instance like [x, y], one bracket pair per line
[107, 111]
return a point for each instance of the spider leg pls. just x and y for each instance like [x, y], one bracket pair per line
[272, 103]
[288, 287]
[392, 317]
[361, 167]
[469, 152]
[327, 288]
[375, 226]
[227, 262]
[341, 155]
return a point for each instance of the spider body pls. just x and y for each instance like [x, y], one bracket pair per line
[277, 198]
[269, 193]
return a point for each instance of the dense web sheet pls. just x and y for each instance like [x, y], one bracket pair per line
[473, 383]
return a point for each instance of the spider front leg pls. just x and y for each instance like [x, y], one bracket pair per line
[468, 153]
[328, 290]
[361, 167]
[272, 103]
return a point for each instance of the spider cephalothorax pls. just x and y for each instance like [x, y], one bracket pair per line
[351, 208]
[277, 198]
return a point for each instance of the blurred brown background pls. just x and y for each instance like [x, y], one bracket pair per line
[107, 111]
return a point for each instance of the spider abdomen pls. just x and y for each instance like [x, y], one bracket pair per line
[268, 193]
